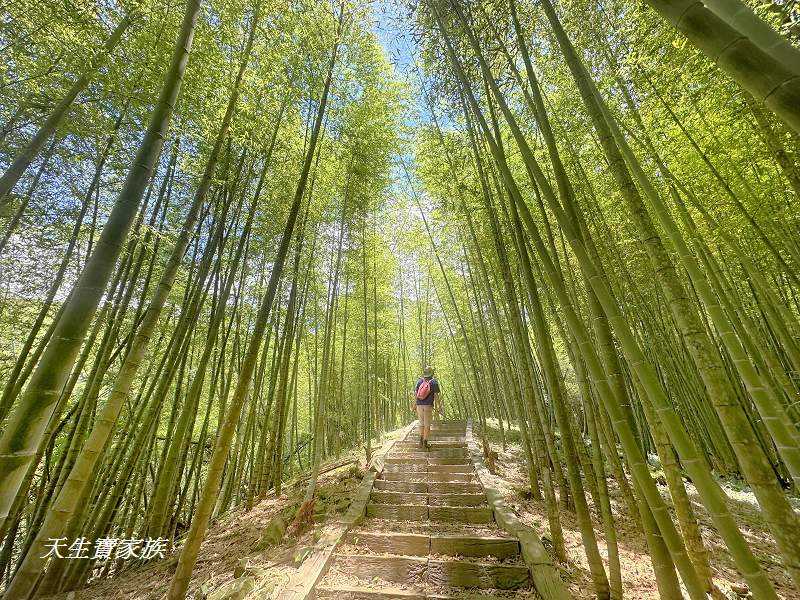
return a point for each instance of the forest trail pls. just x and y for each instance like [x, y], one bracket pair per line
[233, 235]
[429, 531]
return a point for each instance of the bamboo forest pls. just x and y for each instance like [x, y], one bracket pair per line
[399, 299]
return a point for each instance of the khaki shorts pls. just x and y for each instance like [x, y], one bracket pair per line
[425, 414]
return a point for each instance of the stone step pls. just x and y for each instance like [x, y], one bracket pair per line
[429, 477]
[392, 497]
[415, 544]
[451, 573]
[417, 512]
[425, 487]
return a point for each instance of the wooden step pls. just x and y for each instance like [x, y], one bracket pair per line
[392, 497]
[445, 573]
[467, 574]
[407, 570]
[429, 477]
[457, 499]
[403, 459]
[409, 544]
[424, 487]
[347, 592]
[435, 445]
[416, 512]
[416, 544]
[398, 512]
[421, 467]
[364, 593]
[419, 487]
[429, 458]
[474, 546]
[461, 514]
[432, 453]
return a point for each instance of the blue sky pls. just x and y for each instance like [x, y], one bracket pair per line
[391, 26]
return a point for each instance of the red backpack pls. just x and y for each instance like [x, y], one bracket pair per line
[424, 389]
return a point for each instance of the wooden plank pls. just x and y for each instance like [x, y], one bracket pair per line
[455, 545]
[544, 573]
[460, 514]
[410, 544]
[398, 512]
[396, 569]
[459, 573]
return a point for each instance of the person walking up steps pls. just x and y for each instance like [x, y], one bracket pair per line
[426, 393]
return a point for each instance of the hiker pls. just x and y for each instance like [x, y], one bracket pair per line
[426, 394]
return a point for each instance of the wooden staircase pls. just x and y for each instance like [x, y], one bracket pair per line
[429, 532]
